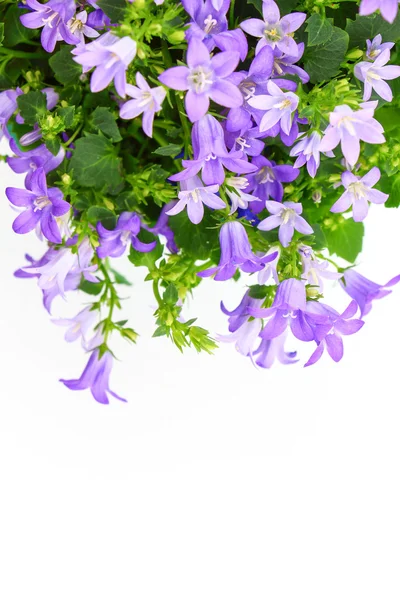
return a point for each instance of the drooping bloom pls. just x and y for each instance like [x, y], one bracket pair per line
[267, 182]
[364, 291]
[287, 217]
[374, 76]
[111, 56]
[270, 350]
[236, 253]
[8, 106]
[348, 127]
[285, 64]
[162, 228]
[42, 205]
[53, 17]
[193, 195]
[289, 309]
[80, 28]
[275, 31]
[329, 335]
[246, 140]
[271, 268]
[146, 100]
[204, 78]
[375, 47]
[31, 160]
[388, 8]
[244, 329]
[314, 270]
[78, 326]
[238, 197]
[279, 107]
[95, 377]
[308, 152]
[114, 243]
[210, 25]
[358, 193]
[211, 155]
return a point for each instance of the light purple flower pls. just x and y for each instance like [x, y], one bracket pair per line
[209, 24]
[42, 205]
[358, 193]
[236, 253]
[111, 56]
[279, 107]
[204, 78]
[314, 270]
[31, 160]
[246, 140]
[308, 152]
[238, 197]
[374, 75]
[97, 19]
[53, 17]
[95, 377]
[147, 100]
[329, 335]
[363, 290]
[79, 27]
[348, 127]
[211, 155]
[193, 195]
[275, 31]
[270, 350]
[8, 106]
[239, 315]
[162, 228]
[285, 64]
[375, 47]
[271, 268]
[266, 183]
[244, 329]
[388, 8]
[78, 326]
[289, 309]
[287, 217]
[114, 243]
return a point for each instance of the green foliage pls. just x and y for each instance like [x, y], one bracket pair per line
[169, 150]
[105, 122]
[13, 30]
[115, 9]
[146, 259]
[319, 30]
[1, 33]
[344, 237]
[103, 215]
[366, 28]
[196, 241]
[66, 70]
[95, 162]
[32, 107]
[323, 60]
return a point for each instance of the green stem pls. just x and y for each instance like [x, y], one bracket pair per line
[21, 54]
[73, 136]
[232, 15]
[156, 293]
[110, 290]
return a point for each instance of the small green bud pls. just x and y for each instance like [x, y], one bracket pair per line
[66, 179]
[354, 54]
[176, 37]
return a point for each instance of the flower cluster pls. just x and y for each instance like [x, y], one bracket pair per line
[201, 139]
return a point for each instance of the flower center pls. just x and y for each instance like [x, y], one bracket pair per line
[194, 195]
[112, 60]
[284, 104]
[146, 99]
[273, 33]
[358, 189]
[248, 89]
[287, 215]
[241, 141]
[76, 24]
[265, 175]
[209, 24]
[211, 156]
[200, 79]
[347, 123]
[50, 19]
[40, 203]
[237, 182]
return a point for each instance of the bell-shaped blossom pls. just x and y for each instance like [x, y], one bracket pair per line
[271, 268]
[329, 335]
[364, 291]
[271, 350]
[236, 253]
[244, 329]
[267, 182]
[239, 315]
[8, 106]
[314, 270]
[114, 243]
[238, 197]
[210, 25]
[211, 155]
[376, 47]
[289, 310]
[193, 195]
[285, 64]
[347, 127]
[78, 326]
[111, 57]
[204, 78]
[287, 217]
[79, 27]
[245, 140]
[278, 106]
[42, 205]
[162, 228]
[31, 160]
[308, 152]
[97, 19]
[358, 193]
[95, 377]
[273, 30]
[146, 100]
[374, 76]
[53, 17]
[388, 8]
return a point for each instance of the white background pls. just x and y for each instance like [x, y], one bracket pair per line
[216, 481]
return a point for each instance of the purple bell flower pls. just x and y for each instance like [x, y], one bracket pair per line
[314, 270]
[287, 217]
[79, 27]
[285, 64]
[162, 228]
[267, 182]
[273, 30]
[146, 100]
[8, 106]
[271, 268]
[79, 326]
[193, 195]
[270, 350]
[364, 291]
[358, 193]
[95, 377]
[374, 76]
[308, 152]
[244, 329]
[235, 253]
[42, 205]
[31, 160]
[53, 17]
[375, 48]
[246, 140]
[278, 106]
[211, 155]
[114, 243]
[388, 8]
[204, 78]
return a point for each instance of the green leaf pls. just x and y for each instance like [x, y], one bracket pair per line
[53, 145]
[104, 121]
[366, 28]
[89, 287]
[170, 296]
[106, 217]
[119, 278]
[389, 118]
[393, 190]
[170, 150]
[115, 9]
[146, 259]
[162, 330]
[258, 292]
[129, 334]
[67, 114]
[197, 241]
[32, 106]
[66, 70]
[14, 32]
[319, 30]
[1, 33]
[95, 162]
[323, 61]
[345, 239]
[257, 4]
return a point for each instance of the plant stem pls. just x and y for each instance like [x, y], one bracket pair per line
[21, 54]
[232, 15]
[156, 292]
[73, 136]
